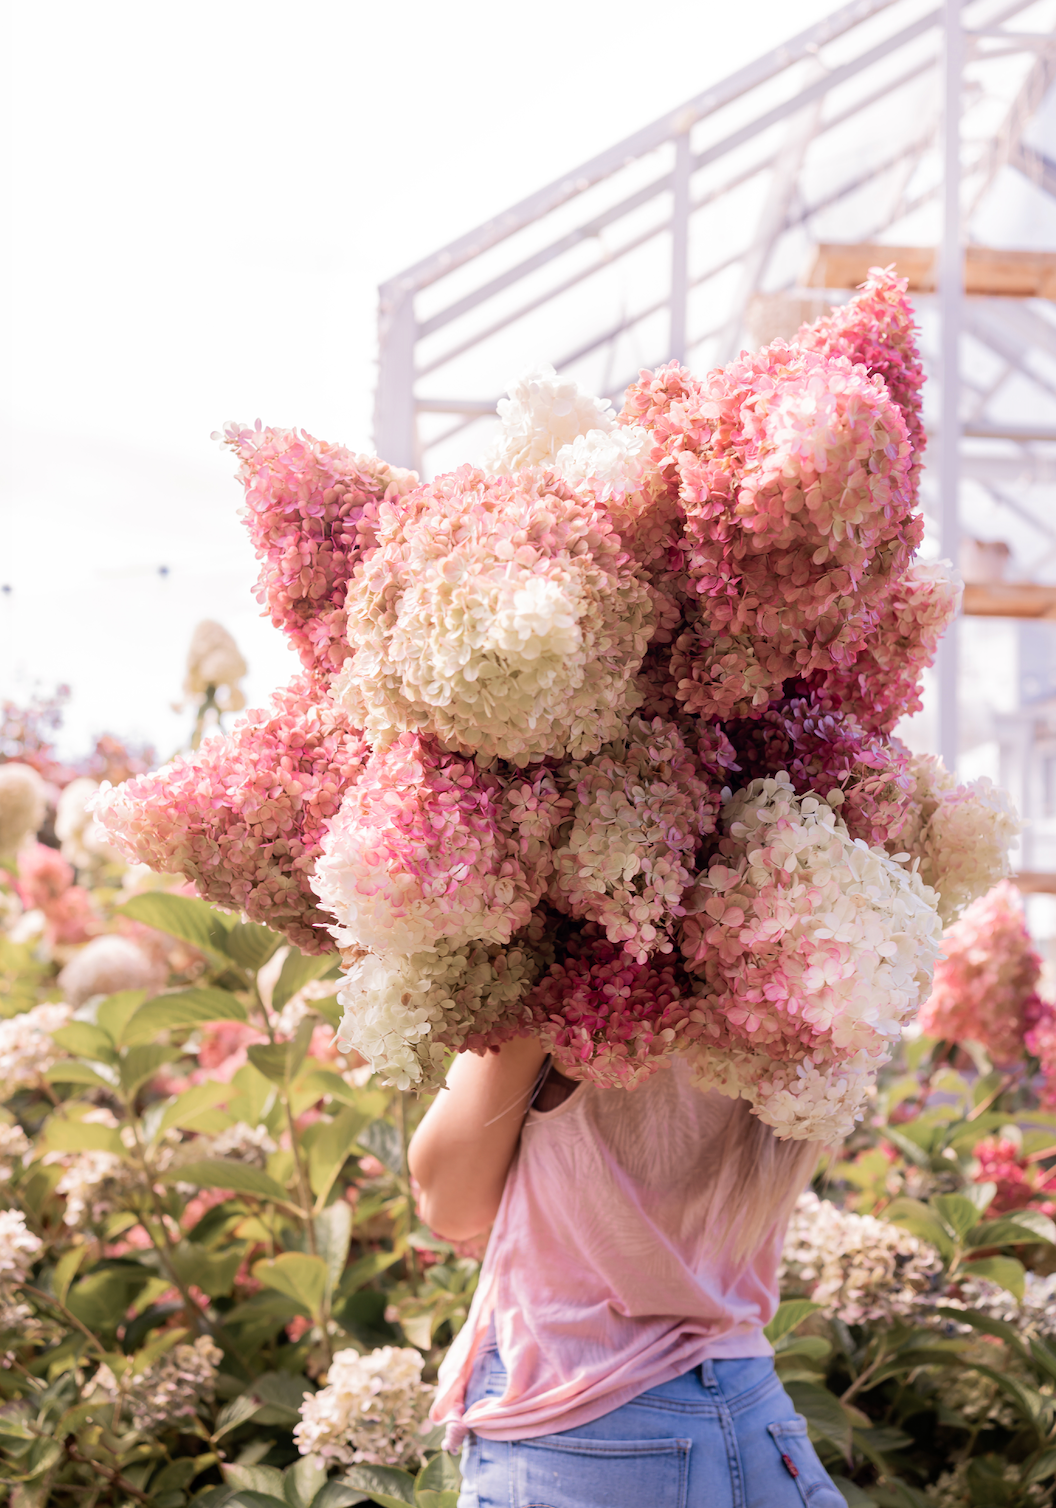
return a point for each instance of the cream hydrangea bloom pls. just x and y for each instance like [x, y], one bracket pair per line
[19, 1247]
[372, 1410]
[77, 828]
[543, 415]
[23, 802]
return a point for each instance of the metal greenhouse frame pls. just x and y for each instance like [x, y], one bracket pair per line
[894, 130]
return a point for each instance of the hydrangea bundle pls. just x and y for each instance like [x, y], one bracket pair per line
[595, 742]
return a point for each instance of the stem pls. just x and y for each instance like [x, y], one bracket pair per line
[303, 1185]
[401, 1123]
[1006, 1083]
[71, 1319]
[116, 1479]
[863, 1376]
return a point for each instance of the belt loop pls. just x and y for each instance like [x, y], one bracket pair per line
[706, 1373]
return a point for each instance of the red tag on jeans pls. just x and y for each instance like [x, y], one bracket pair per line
[790, 1466]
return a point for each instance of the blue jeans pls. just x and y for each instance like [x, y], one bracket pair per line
[722, 1436]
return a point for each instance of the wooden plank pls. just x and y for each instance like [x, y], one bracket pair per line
[988, 271]
[1035, 882]
[1003, 599]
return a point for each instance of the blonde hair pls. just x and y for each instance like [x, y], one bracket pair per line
[759, 1180]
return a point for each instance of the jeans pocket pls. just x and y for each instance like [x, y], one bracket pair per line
[495, 1377]
[800, 1460]
[566, 1472]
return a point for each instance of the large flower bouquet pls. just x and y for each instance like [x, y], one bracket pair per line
[595, 742]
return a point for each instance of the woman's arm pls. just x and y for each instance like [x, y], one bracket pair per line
[461, 1152]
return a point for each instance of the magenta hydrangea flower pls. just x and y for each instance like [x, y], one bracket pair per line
[244, 817]
[986, 986]
[312, 514]
[605, 1017]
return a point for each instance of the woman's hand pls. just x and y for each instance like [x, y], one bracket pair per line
[462, 1151]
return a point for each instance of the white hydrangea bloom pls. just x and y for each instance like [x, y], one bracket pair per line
[19, 1247]
[372, 1410]
[15, 1145]
[106, 965]
[246, 1144]
[26, 1048]
[610, 458]
[403, 1014]
[23, 802]
[82, 836]
[543, 415]
[214, 659]
[858, 1268]
[816, 949]
[959, 835]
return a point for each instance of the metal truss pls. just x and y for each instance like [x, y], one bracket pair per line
[895, 121]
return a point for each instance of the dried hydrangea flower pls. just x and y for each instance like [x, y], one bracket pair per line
[372, 1410]
[244, 817]
[168, 1393]
[500, 616]
[109, 964]
[859, 1269]
[311, 509]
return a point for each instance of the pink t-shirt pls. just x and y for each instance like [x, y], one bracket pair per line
[600, 1277]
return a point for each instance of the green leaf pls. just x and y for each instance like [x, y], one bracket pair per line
[986, 1324]
[251, 945]
[427, 1499]
[336, 1495]
[816, 1347]
[1006, 1230]
[333, 1236]
[63, 1134]
[823, 1411]
[235, 1413]
[440, 1476]
[299, 1276]
[1043, 1468]
[1045, 1357]
[84, 1040]
[115, 1012]
[182, 1008]
[957, 1214]
[270, 1059]
[1042, 1227]
[1006, 1272]
[303, 1480]
[382, 1140]
[365, 1270]
[219, 1173]
[139, 1064]
[387, 1485]
[790, 1313]
[247, 1498]
[330, 1149]
[101, 1299]
[1030, 1403]
[65, 1271]
[183, 916]
[266, 1479]
[278, 1396]
[920, 1221]
[69, 1071]
[299, 969]
[212, 1271]
[907, 1147]
[186, 1108]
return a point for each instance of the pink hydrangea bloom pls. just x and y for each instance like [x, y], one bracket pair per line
[1019, 1182]
[1040, 1042]
[45, 883]
[501, 616]
[244, 817]
[985, 987]
[813, 947]
[312, 513]
[423, 848]
[642, 808]
[876, 330]
[608, 1018]
[883, 682]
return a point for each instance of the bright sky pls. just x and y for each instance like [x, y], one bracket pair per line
[203, 199]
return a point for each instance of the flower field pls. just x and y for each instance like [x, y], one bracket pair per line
[214, 1287]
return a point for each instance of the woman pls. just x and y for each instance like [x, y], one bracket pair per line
[614, 1353]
